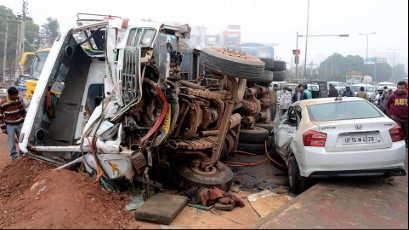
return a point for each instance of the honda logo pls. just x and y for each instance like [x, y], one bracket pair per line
[358, 127]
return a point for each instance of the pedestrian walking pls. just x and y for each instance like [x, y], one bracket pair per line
[332, 91]
[285, 100]
[12, 114]
[399, 111]
[362, 93]
[348, 92]
[307, 92]
[299, 95]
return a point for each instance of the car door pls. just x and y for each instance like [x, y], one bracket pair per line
[285, 132]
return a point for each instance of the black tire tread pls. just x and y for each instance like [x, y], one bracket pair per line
[249, 68]
[256, 135]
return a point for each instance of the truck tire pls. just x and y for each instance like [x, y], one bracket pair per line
[266, 76]
[232, 63]
[279, 66]
[269, 127]
[269, 63]
[258, 148]
[221, 178]
[256, 135]
[280, 75]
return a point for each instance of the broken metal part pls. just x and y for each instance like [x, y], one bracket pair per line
[235, 120]
[162, 116]
[206, 94]
[138, 161]
[192, 85]
[251, 91]
[210, 132]
[216, 150]
[201, 143]
[251, 106]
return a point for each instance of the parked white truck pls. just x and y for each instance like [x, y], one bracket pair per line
[355, 77]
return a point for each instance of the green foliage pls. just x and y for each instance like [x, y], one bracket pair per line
[50, 31]
[336, 66]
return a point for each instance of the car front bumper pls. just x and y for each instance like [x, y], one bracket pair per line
[316, 162]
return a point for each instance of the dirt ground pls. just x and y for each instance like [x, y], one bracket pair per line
[32, 195]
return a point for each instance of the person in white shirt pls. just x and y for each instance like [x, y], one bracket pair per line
[285, 99]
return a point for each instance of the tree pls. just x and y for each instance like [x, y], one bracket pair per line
[399, 73]
[336, 66]
[49, 32]
[7, 14]
[32, 35]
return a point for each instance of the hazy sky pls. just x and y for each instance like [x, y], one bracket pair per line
[263, 21]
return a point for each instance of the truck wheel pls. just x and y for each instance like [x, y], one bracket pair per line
[269, 127]
[221, 176]
[258, 148]
[269, 63]
[280, 75]
[266, 76]
[232, 63]
[279, 66]
[256, 135]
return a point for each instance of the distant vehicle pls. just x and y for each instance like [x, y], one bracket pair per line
[334, 83]
[390, 85]
[330, 137]
[355, 77]
[369, 89]
[35, 71]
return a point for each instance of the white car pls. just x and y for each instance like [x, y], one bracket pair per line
[338, 137]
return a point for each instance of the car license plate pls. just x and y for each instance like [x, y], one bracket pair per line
[358, 139]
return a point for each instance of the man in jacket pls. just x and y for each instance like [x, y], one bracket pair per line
[362, 93]
[332, 91]
[12, 114]
[299, 95]
[348, 92]
[399, 111]
[307, 92]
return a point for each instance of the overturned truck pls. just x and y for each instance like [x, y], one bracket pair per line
[111, 96]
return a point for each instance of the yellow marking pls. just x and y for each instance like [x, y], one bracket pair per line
[166, 123]
[115, 168]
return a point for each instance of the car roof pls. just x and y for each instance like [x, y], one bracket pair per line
[309, 102]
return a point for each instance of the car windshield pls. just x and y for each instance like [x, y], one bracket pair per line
[345, 110]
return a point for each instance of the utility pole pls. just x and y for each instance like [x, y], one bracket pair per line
[306, 38]
[16, 72]
[5, 50]
[311, 65]
[21, 40]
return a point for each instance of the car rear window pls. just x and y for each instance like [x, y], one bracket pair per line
[342, 110]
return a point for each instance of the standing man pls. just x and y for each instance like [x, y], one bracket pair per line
[307, 92]
[299, 95]
[399, 111]
[285, 99]
[362, 93]
[348, 92]
[332, 91]
[273, 108]
[12, 114]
